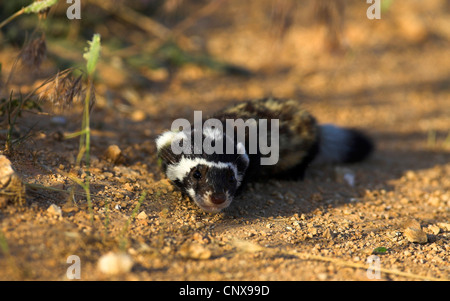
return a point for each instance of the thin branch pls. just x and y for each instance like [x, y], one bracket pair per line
[308, 256]
[129, 15]
[208, 9]
[155, 28]
[12, 17]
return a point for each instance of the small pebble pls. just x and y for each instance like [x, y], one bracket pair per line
[58, 120]
[115, 263]
[246, 246]
[194, 251]
[444, 226]
[415, 235]
[142, 215]
[434, 229]
[54, 210]
[327, 234]
[113, 154]
[345, 175]
[12, 188]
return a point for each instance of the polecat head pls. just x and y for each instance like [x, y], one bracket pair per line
[208, 174]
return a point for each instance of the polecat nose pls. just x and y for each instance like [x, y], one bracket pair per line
[218, 198]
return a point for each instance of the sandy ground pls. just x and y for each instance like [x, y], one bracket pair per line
[392, 80]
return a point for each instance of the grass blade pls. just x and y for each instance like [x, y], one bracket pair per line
[92, 54]
[37, 6]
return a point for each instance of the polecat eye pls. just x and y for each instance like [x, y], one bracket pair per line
[231, 179]
[197, 174]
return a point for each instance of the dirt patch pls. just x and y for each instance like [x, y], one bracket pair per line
[392, 81]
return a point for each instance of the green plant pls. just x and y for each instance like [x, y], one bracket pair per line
[106, 223]
[36, 7]
[34, 52]
[91, 56]
[4, 248]
[123, 239]
[13, 107]
[379, 250]
[386, 5]
[433, 143]
[62, 89]
[12, 119]
[446, 142]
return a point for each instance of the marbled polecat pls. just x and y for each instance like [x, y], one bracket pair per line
[212, 180]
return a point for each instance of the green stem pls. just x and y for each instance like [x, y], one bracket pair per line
[73, 135]
[12, 17]
[87, 141]
[106, 224]
[10, 127]
[87, 127]
[123, 239]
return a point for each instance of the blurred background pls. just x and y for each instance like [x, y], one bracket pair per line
[173, 56]
[162, 59]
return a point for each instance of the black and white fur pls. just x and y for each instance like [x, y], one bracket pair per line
[212, 180]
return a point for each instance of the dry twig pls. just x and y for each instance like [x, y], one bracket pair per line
[308, 256]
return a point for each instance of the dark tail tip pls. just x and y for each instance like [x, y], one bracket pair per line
[360, 146]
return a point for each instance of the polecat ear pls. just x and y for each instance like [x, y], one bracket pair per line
[243, 162]
[164, 149]
[165, 140]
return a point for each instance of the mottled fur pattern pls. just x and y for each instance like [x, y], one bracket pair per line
[298, 132]
[212, 180]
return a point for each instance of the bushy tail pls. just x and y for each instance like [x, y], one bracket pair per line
[342, 145]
